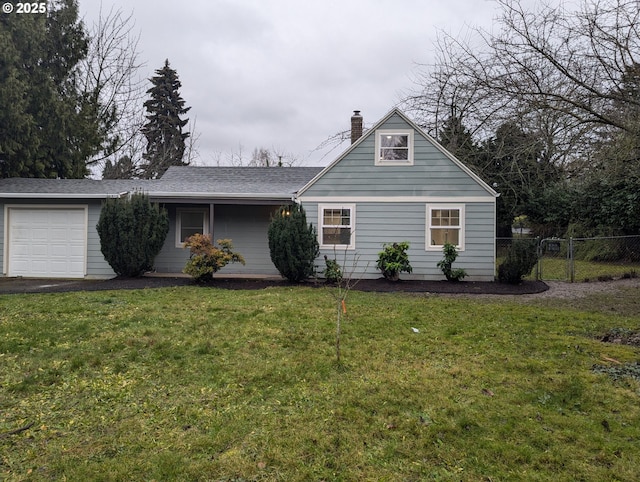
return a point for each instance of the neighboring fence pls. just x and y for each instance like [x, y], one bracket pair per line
[581, 259]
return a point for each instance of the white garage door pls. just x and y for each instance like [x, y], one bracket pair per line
[47, 243]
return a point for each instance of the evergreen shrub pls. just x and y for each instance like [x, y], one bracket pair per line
[132, 231]
[293, 243]
[521, 257]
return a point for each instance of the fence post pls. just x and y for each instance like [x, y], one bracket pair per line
[539, 251]
[572, 266]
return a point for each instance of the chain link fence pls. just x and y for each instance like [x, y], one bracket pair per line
[581, 259]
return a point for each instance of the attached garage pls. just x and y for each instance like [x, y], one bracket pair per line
[47, 242]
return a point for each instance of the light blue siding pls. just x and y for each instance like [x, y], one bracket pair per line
[432, 174]
[379, 223]
[97, 266]
[245, 225]
[434, 178]
[172, 258]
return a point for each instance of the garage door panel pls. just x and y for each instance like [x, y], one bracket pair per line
[59, 234]
[47, 242]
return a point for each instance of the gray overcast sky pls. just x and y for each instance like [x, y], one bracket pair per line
[287, 74]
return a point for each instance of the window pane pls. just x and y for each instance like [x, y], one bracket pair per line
[441, 236]
[445, 217]
[336, 236]
[345, 217]
[186, 232]
[192, 220]
[191, 223]
[396, 140]
[337, 217]
[332, 216]
[387, 154]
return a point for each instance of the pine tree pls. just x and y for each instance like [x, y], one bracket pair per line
[48, 127]
[123, 168]
[163, 131]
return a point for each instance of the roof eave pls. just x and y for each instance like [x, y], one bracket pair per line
[57, 195]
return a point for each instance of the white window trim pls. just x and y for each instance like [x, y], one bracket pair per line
[352, 208]
[180, 212]
[461, 237]
[390, 132]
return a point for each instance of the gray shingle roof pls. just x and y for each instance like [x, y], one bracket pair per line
[237, 180]
[211, 182]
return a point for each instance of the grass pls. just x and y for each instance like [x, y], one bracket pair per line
[202, 384]
[557, 269]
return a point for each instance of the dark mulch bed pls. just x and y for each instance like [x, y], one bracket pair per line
[20, 285]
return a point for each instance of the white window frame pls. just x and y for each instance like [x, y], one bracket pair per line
[380, 133]
[461, 235]
[180, 211]
[351, 226]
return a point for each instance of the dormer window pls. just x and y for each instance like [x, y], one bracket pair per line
[394, 147]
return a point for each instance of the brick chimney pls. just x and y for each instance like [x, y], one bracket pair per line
[356, 126]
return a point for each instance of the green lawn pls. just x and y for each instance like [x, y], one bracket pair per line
[557, 269]
[202, 384]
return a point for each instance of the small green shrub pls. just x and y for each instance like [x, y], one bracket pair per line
[332, 271]
[521, 257]
[450, 255]
[132, 231]
[293, 244]
[207, 259]
[393, 260]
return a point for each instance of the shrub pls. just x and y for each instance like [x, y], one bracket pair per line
[332, 272]
[293, 243]
[393, 260]
[132, 232]
[521, 257]
[450, 255]
[207, 259]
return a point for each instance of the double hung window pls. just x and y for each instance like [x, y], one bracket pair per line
[445, 224]
[394, 147]
[189, 222]
[337, 224]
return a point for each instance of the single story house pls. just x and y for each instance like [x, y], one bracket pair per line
[394, 183]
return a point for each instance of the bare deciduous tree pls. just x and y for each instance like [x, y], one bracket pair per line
[559, 72]
[110, 74]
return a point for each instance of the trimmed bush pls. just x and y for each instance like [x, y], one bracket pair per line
[393, 260]
[207, 259]
[132, 232]
[332, 272]
[521, 257]
[293, 243]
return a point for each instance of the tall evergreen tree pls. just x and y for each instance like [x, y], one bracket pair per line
[48, 127]
[163, 130]
[123, 168]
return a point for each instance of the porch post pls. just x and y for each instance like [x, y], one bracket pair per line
[211, 219]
